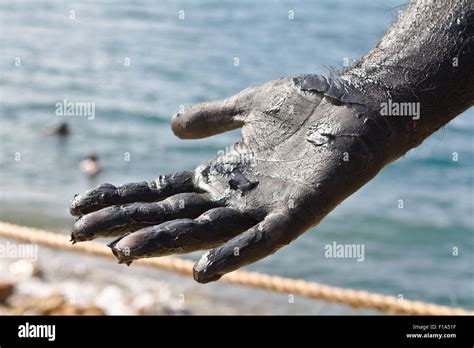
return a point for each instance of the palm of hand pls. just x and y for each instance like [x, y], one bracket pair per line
[294, 163]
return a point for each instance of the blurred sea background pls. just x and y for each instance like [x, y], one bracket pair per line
[77, 51]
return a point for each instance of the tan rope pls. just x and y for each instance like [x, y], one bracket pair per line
[353, 298]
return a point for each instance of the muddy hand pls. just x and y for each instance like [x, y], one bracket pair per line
[302, 151]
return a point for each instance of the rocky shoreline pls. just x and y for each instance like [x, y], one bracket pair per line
[54, 304]
[55, 282]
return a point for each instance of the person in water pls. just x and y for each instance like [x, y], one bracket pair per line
[308, 142]
[61, 129]
[90, 165]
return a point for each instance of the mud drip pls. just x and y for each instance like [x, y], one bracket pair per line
[241, 183]
[319, 137]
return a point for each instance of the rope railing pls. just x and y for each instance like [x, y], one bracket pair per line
[296, 287]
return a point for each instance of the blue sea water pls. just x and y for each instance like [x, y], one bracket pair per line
[76, 51]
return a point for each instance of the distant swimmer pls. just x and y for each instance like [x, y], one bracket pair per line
[61, 129]
[90, 165]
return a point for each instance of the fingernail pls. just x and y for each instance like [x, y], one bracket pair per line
[201, 271]
[202, 278]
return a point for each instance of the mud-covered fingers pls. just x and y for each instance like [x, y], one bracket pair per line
[210, 118]
[254, 244]
[212, 228]
[120, 219]
[107, 195]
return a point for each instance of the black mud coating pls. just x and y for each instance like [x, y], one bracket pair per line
[120, 219]
[107, 194]
[338, 89]
[241, 183]
[209, 230]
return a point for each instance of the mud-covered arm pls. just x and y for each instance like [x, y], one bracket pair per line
[426, 57]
